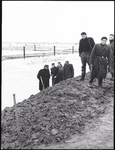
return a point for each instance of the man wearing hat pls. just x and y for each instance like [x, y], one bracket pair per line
[111, 39]
[99, 57]
[86, 45]
[43, 76]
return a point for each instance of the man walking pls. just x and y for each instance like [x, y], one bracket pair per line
[68, 70]
[43, 76]
[54, 73]
[98, 61]
[111, 39]
[86, 45]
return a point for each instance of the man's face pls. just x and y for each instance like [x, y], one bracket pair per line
[111, 38]
[46, 67]
[83, 36]
[103, 41]
[58, 64]
[67, 62]
[53, 66]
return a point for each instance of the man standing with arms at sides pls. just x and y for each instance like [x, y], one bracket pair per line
[43, 76]
[86, 45]
[111, 39]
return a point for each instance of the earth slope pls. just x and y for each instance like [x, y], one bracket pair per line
[67, 115]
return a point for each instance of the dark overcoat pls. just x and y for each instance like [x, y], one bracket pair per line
[68, 71]
[91, 45]
[54, 73]
[60, 75]
[45, 75]
[99, 57]
[112, 56]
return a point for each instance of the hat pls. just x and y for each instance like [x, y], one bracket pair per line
[46, 66]
[104, 37]
[67, 61]
[83, 33]
[111, 35]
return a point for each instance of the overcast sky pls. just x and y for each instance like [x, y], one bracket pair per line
[56, 21]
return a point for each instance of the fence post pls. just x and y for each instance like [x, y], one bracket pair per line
[24, 52]
[34, 47]
[72, 49]
[54, 50]
[17, 122]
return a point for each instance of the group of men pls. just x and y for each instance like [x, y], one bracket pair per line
[58, 73]
[99, 57]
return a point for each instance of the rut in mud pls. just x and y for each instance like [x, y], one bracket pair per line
[55, 114]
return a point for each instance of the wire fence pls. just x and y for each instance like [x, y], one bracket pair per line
[23, 50]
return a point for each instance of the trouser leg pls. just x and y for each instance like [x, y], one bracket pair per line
[87, 60]
[53, 80]
[83, 68]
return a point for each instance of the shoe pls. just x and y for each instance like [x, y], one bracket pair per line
[89, 84]
[82, 79]
[100, 86]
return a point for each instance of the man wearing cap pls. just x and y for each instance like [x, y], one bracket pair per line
[98, 61]
[68, 70]
[54, 74]
[43, 76]
[111, 39]
[86, 45]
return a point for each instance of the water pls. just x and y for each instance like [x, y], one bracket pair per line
[19, 76]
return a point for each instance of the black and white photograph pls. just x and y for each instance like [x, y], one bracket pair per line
[57, 75]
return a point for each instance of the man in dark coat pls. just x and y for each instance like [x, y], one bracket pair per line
[111, 39]
[86, 45]
[60, 75]
[68, 70]
[99, 57]
[43, 76]
[54, 73]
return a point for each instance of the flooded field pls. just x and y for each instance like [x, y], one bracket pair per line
[19, 75]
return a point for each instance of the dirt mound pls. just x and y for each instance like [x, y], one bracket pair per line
[55, 114]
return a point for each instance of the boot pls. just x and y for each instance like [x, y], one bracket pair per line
[89, 84]
[82, 76]
[100, 82]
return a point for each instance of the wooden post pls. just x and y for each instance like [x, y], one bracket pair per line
[24, 52]
[42, 82]
[72, 49]
[17, 122]
[34, 47]
[54, 50]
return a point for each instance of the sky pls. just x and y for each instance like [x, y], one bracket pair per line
[56, 21]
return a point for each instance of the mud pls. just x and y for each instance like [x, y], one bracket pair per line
[56, 114]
